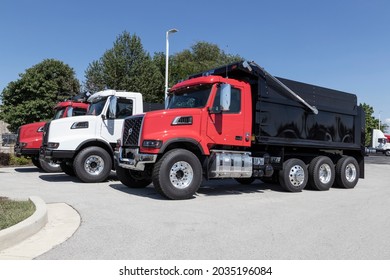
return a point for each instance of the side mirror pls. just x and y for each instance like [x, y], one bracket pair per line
[226, 92]
[112, 107]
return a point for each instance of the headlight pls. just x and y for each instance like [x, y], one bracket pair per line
[152, 144]
[53, 145]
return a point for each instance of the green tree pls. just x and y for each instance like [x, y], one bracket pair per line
[32, 97]
[202, 56]
[371, 122]
[126, 66]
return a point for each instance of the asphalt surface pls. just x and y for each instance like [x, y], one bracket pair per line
[225, 220]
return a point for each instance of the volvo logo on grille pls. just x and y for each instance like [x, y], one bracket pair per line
[132, 130]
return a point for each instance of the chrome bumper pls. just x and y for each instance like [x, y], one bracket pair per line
[133, 160]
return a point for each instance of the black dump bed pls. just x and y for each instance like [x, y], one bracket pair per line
[281, 118]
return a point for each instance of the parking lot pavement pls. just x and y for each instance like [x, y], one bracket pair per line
[225, 220]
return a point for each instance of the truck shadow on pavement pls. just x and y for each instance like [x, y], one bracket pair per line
[208, 188]
[59, 177]
[231, 187]
[31, 169]
[148, 192]
[62, 177]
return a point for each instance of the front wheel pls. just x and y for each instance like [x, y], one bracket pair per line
[50, 167]
[178, 174]
[67, 168]
[92, 165]
[294, 176]
[37, 162]
[132, 178]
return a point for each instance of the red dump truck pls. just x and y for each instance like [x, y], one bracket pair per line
[238, 121]
[29, 136]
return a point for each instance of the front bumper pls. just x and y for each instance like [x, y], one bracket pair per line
[47, 154]
[133, 159]
[19, 151]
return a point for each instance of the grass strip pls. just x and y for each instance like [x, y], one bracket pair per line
[14, 211]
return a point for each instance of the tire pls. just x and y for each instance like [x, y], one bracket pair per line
[36, 162]
[294, 176]
[133, 179]
[92, 165]
[245, 181]
[387, 153]
[178, 174]
[321, 173]
[347, 172]
[67, 168]
[50, 167]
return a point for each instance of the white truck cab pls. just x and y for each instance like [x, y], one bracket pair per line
[84, 145]
[379, 142]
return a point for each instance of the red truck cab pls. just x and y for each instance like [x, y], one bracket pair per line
[189, 118]
[29, 137]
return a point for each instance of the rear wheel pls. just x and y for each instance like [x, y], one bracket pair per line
[178, 174]
[294, 175]
[92, 165]
[132, 178]
[347, 172]
[321, 173]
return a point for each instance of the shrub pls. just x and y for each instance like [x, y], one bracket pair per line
[9, 159]
[4, 158]
[19, 160]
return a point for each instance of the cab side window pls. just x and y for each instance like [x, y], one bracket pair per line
[235, 101]
[79, 112]
[124, 108]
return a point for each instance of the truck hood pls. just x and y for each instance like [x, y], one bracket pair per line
[74, 119]
[32, 125]
[172, 123]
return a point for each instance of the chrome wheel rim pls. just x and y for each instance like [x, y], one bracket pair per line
[94, 165]
[181, 174]
[325, 173]
[350, 172]
[297, 175]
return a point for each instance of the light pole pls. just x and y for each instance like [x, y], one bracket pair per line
[167, 62]
[379, 120]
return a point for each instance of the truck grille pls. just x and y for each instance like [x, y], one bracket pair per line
[131, 130]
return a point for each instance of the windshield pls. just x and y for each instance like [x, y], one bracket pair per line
[59, 114]
[96, 107]
[193, 97]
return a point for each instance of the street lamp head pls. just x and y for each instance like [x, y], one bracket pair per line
[173, 30]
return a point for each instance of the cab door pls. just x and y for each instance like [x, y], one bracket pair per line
[229, 127]
[111, 129]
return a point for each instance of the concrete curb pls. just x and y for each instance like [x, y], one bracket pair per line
[19, 232]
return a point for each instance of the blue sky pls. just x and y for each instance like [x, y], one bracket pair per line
[341, 44]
